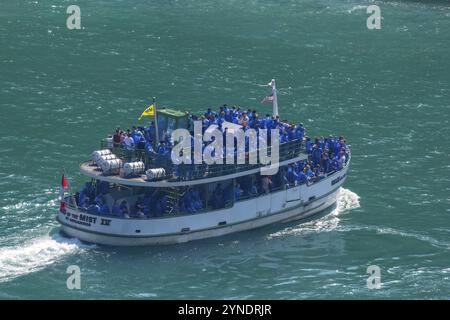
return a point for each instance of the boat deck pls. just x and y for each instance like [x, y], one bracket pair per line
[91, 170]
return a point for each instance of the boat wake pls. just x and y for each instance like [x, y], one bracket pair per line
[346, 200]
[34, 255]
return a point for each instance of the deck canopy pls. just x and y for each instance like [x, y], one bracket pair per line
[171, 119]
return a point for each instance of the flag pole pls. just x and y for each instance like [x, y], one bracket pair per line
[275, 99]
[70, 189]
[156, 121]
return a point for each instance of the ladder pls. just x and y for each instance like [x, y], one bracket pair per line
[173, 196]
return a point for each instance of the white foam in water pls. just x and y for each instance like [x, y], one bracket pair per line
[34, 255]
[346, 200]
[358, 7]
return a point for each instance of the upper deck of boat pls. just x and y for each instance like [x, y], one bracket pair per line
[290, 148]
[208, 174]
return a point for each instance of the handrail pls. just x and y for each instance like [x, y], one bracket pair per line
[287, 150]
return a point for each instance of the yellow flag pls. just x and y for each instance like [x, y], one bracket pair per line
[150, 111]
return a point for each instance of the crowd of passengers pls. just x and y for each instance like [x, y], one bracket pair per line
[91, 198]
[142, 138]
[326, 155]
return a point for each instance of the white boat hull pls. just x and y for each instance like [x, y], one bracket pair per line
[286, 205]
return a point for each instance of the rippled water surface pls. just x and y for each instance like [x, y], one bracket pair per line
[386, 90]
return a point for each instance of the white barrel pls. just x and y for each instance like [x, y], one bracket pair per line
[105, 158]
[154, 174]
[111, 166]
[100, 153]
[133, 168]
[109, 142]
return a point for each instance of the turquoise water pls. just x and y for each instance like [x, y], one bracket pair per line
[387, 91]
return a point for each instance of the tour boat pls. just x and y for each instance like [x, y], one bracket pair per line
[141, 198]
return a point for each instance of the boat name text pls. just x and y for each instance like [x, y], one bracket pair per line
[86, 220]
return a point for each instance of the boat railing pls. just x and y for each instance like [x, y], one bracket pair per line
[324, 176]
[287, 150]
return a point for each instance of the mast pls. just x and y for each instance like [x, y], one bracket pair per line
[275, 98]
[156, 121]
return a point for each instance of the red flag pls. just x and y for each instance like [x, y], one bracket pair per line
[63, 182]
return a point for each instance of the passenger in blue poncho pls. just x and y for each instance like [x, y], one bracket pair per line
[151, 131]
[82, 199]
[213, 120]
[161, 206]
[124, 209]
[161, 149]
[316, 154]
[209, 113]
[318, 172]
[197, 201]
[147, 203]
[238, 191]
[221, 118]
[300, 166]
[116, 211]
[326, 163]
[308, 145]
[98, 200]
[104, 209]
[291, 133]
[284, 137]
[335, 164]
[217, 199]
[149, 149]
[291, 175]
[299, 131]
[302, 178]
[188, 202]
[336, 147]
[88, 190]
[93, 209]
[309, 173]
[136, 136]
[139, 207]
[254, 190]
